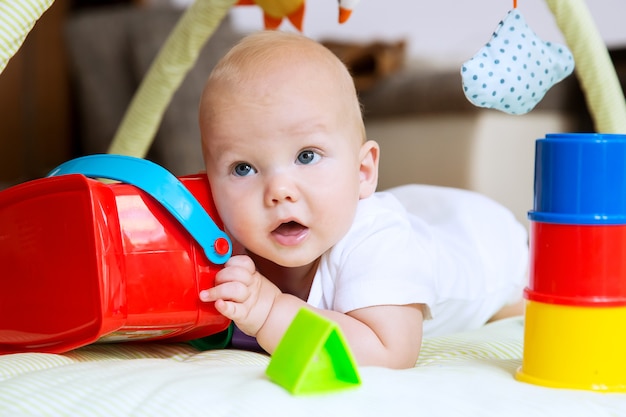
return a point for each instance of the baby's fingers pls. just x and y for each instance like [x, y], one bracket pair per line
[242, 261]
[228, 309]
[231, 291]
[240, 270]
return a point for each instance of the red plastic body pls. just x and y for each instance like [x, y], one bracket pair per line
[83, 261]
[580, 265]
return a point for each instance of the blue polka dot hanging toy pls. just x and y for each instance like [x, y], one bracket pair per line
[515, 69]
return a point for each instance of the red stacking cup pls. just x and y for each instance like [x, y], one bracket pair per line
[577, 264]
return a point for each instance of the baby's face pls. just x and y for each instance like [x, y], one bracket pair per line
[283, 166]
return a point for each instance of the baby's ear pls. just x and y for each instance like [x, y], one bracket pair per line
[368, 172]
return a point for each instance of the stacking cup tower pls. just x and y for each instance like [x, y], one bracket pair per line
[575, 319]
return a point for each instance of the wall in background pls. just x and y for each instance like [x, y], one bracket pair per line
[441, 31]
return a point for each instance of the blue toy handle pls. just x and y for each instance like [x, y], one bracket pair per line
[164, 187]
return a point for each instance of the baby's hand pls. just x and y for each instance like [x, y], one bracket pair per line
[242, 294]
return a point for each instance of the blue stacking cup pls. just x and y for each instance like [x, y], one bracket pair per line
[580, 178]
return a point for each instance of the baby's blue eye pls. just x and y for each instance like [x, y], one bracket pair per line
[308, 157]
[243, 169]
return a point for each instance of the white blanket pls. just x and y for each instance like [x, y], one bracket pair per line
[467, 374]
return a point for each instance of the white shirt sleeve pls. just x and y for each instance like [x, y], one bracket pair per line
[381, 261]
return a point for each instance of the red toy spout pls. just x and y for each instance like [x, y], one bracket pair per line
[85, 261]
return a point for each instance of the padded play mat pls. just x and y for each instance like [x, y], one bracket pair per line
[465, 374]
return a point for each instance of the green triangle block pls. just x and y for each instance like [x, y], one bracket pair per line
[313, 357]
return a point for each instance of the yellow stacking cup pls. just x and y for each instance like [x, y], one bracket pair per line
[576, 347]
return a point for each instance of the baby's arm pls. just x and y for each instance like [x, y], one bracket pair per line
[386, 335]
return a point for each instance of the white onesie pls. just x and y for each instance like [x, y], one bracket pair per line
[461, 254]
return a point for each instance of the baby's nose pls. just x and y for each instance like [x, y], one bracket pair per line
[281, 188]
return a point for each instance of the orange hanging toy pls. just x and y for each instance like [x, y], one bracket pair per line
[274, 11]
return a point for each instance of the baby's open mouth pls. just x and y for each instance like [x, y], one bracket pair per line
[289, 229]
[290, 233]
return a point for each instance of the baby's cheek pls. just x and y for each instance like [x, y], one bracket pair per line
[243, 232]
[227, 210]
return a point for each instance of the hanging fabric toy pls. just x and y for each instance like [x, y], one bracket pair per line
[515, 69]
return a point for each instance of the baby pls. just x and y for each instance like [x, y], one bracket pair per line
[293, 178]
